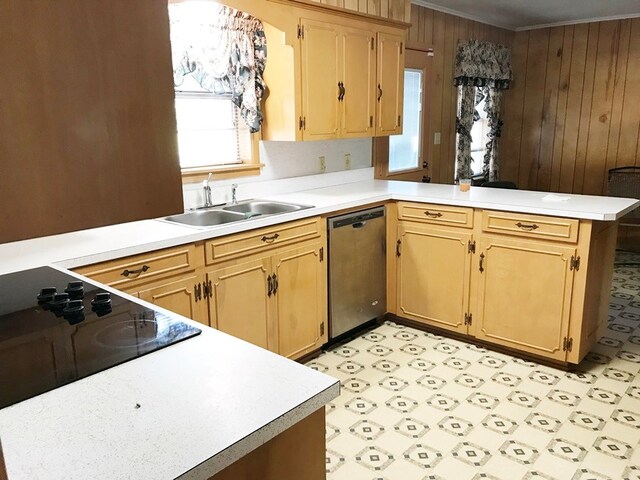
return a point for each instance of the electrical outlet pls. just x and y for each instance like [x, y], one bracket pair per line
[323, 164]
[436, 138]
[347, 161]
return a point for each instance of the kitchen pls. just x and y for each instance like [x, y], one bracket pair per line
[112, 103]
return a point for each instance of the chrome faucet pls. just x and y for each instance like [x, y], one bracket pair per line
[206, 193]
[234, 188]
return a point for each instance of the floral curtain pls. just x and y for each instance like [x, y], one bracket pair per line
[225, 51]
[482, 71]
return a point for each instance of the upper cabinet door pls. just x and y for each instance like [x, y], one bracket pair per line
[390, 84]
[359, 73]
[320, 78]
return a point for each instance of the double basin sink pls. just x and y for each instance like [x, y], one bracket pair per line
[234, 213]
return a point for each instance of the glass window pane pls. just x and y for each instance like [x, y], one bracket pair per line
[207, 134]
[404, 150]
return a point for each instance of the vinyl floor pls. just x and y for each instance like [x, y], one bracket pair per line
[415, 405]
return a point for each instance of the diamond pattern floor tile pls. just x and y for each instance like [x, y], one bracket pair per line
[415, 406]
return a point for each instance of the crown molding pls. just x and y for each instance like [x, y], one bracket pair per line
[475, 18]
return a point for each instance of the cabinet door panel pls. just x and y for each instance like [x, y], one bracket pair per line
[433, 276]
[390, 84]
[320, 77]
[358, 65]
[524, 295]
[241, 301]
[179, 297]
[301, 300]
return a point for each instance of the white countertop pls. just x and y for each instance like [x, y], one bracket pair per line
[204, 403]
[100, 244]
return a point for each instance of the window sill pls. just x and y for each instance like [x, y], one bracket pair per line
[222, 172]
[404, 172]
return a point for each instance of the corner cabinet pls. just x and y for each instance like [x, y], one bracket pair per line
[535, 284]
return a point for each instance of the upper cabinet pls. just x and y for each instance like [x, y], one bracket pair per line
[338, 78]
[395, 10]
[390, 84]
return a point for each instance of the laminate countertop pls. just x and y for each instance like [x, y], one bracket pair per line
[85, 247]
[186, 411]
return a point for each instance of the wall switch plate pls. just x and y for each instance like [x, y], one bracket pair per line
[323, 164]
[347, 161]
[436, 138]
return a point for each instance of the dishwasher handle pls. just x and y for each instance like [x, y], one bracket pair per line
[358, 224]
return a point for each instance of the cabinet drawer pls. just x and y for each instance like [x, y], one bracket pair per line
[531, 226]
[437, 214]
[143, 268]
[233, 246]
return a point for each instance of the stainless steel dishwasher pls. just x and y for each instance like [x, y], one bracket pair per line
[357, 270]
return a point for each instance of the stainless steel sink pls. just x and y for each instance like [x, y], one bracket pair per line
[206, 218]
[264, 207]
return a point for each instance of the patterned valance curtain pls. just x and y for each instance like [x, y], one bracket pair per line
[225, 51]
[482, 71]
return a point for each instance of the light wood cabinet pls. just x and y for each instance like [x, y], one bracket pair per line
[394, 10]
[433, 275]
[338, 78]
[524, 291]
[533, 283]
[390, 86]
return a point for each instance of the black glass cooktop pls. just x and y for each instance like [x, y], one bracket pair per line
[56, 329]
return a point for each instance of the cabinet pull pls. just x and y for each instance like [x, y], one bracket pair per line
[340, 91]
[138, 271]
[197, 292]
[269, 285]
[398, 243]
[481, 262]
[270, 239]
[529, 228]
[275, 283]
[344, 91]
[379, 92]
[432, 215]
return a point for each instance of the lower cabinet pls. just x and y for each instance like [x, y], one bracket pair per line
[433, 273]
[180, 296]
[277, 301]
[524, 292]
[532, 283]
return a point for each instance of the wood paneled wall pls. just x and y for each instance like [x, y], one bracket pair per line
[572, 112]
[441, 31]
[87, 116]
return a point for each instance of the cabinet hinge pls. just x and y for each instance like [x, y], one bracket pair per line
[567, 344]
[300, 31]
[302, 123]
[468, 318]
[206, 290]
[575, 263]
[398, 243]
[197, 292]
[322, 329]
[322, 254]
[373, 41]
[399, 120]
[472, 246]
[371, 121]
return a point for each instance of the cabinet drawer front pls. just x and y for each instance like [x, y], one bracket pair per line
[531, 226]
[233, 246]
[436, 214]
[143, 268]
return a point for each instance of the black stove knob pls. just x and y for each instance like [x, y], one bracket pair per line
[73, 312]
[59, 301]
[75, 290]
[46, 296]
[101, 304]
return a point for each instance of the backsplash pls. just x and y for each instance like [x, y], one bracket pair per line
[293, 166]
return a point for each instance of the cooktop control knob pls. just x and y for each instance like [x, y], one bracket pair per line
[75, 290]
[73, 312]
[58, 302]
[46, 296]
[101, 303]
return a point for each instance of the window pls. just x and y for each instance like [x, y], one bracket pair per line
[405, 149]
[210, 131]
[479, 139]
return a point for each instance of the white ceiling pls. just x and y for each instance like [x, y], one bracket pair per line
[528, 14]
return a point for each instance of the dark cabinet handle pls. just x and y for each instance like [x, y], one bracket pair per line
[344, 91]
[398, 243]
[197, 292]
[379, 92]
[481, 262]
[341, 91]
[269, 286]
[275, 283]
[270, 239]
[138, 271]
[529, 228]
[433, 215]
